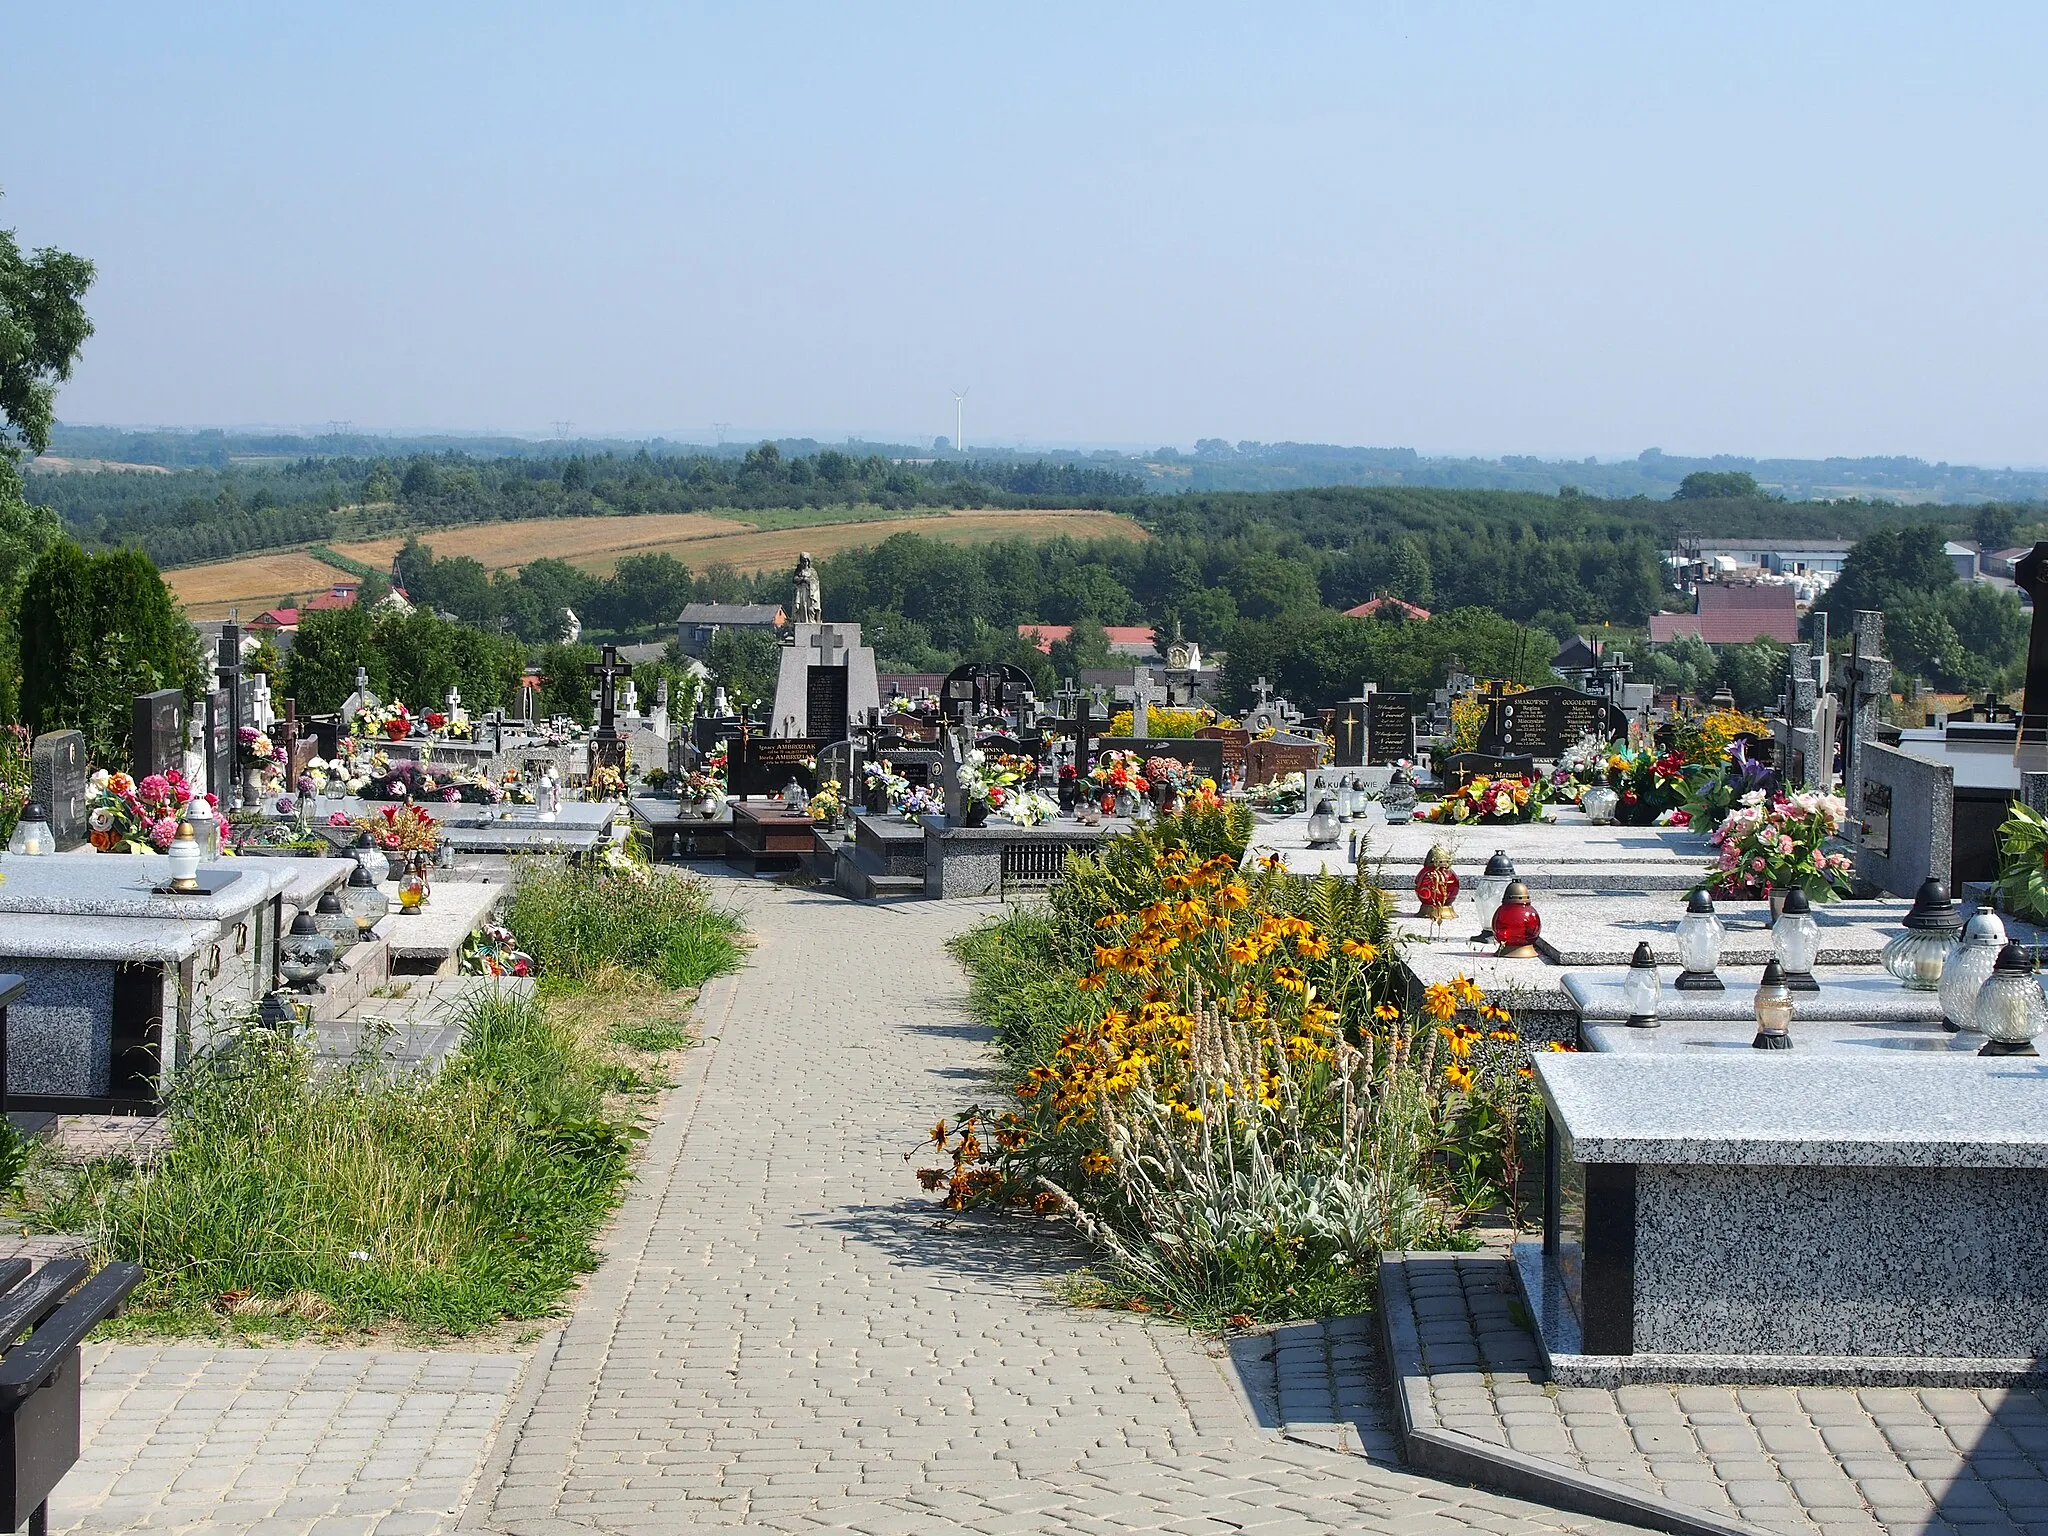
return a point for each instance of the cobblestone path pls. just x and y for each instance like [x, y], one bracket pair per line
[786, 1335]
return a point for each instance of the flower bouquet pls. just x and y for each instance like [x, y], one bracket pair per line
[494, 952]
[1281, 797]
[1769, 845]
[401, 829]
[1118, 773]
[1648, 785]
[1489, 803]
[123, 816]
[1713, 792]
[390, 721]
[882, 788]
[825, 804]
[2023, 863]
[607, 782]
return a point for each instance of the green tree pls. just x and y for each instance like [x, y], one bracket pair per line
[1995, 527]
[1084, 648]
[43, 325]
[743, 662]
[564, 682]
[1754, 673]
[1207, 617]
[1886, 566]
[1718, 485]
[331, 644]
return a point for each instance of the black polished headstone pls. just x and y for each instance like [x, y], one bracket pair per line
[56, 777]
[2030, 575]
[1201, 753]
[763, 765]
[159, 741]
[1347, 733]
[1543, 722]
[1390, 729]
[1461, 768]
[220, 743]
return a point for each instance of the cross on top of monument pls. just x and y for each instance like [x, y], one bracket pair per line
[1264, 690]
[827, 644]
[362, 680]
[606, 670]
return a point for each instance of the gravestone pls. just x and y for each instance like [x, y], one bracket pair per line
[1234, 741]
[56, 776]
[1906, 827]
[1799, 746]
[1389, 729]
[1274, 757]
[1866, 683]
[1203, 754]
[159, 742]
[1461, 768]
[1144, 694]
[977, 689]
[759, 766]
[953, 744]
[2030, 575]
[607, 746]
[1543, 722]
[1347, 729]
[825, 681]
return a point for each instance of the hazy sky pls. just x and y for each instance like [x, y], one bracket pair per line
[1576, 229]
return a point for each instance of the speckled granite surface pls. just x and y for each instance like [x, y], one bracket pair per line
[1779, 1109]
[118, 885]
[1581, 930]
[1866, 996]
[66, 936]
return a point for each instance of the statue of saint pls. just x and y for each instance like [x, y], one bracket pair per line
[807, 608]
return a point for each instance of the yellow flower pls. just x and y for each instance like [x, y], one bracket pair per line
[1096, 1162]
[1440, 1000]
[1361, 950]
[1312, 949]
[1457, 1076]
[1387, 1012]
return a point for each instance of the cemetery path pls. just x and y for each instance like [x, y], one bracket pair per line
[787, 1334]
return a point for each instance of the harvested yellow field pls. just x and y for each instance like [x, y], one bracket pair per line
[597, 543]
[252, 583]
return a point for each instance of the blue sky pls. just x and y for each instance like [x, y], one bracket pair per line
[1561, 230]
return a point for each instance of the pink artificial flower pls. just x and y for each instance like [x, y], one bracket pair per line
[1785, 845]
[337, 820]
[451, 794]
[155, 787]
[162, 831]
[1757, 864]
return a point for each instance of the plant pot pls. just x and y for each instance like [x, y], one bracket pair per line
[877, 801]
[395, 863]
[977, 815]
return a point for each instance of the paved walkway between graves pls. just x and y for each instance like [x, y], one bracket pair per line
[787, 1335]
[1805, 1461]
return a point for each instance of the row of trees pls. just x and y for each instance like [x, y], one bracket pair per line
[1955, 634]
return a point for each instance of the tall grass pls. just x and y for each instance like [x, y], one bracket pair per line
[575, 920]
[445, 1202]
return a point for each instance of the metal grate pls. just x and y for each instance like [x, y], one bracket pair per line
[1032, 865]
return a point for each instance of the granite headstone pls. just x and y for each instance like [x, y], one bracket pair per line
[57, 778]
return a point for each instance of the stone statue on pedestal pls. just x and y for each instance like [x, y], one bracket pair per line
[807, 608]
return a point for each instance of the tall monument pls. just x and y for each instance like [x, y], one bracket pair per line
[826, 678]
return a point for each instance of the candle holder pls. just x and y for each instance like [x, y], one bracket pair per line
[1488, 889]
[1436, 885]
[1397, 800]
[1773, 1011]
[1700, 936]
[1322, 822]
[2010, 1009]
[1516, 924]
[1970, 962]
[1796, 938]
[1916, 957]
[1640, 988]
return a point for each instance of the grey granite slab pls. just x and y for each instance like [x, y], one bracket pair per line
[118, 885]
[1515, 984]
[526, 837]
[11, 989]
[64, 936]
[1859, 996]
[1789, 1109]
[305, 880]
[1593, 930]
[1564, 837]
[1818, 1037]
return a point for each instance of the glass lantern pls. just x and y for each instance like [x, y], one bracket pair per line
[184, 857]
[1436, 885]
[1700, 935]
[1796, 939]
[1599, 802]
[1916, 956]
[2010, 1009]
[332, 919]
[1515, 924]
[1773, 1011]
[32, 835]
[365, 904]
[1126, 804]
[305, 954]
[370, 858]
[1142, 812]
[1488, 889]
[1968, 967]
[206, 825]
[1640, 989]
[1356, 786]
[795, 798]
[1322, 822]
[1397, 800]
[412, 891]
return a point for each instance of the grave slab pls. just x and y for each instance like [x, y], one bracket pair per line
[1858, 996]
[1592, 930]
[427, 942]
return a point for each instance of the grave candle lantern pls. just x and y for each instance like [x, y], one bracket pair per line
[1796, 938]
[1397, 800]
[1516, 924]
[363, 901]
[1639, 989]
[1968, 966]
[32, 835]
[1700, 935]
[333, 920]
[369, 857]
[305, 954]
[2010, 1009]
[1773, 1011]
[1916, 956]
[1322, 822]
[184, 858]
[1491, 885]
[206, 825]
[1436, 884]
[1599, 802]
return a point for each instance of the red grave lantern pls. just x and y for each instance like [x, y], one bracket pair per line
[1436, 884]
[1515, 924]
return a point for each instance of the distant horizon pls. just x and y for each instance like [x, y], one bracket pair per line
[738, 439]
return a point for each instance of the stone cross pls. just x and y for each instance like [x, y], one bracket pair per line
[827, 644]
[1866, 683]
[1144, 694]
[2030, 575]
[1264, 690]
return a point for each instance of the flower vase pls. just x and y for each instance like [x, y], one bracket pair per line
[977, 814]
[252, 786]
[1778, 895]
[878, 800]
[709, 806]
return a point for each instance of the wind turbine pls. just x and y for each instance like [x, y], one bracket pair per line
[959, 415]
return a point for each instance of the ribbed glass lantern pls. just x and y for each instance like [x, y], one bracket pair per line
[1796, 938]
[32, 836]
[332, 919]
[1322, 822]
[305, 954]
[1599, 802]
[1773, 1004]
[2010, 1009]
[363, 901]
[1488, 889]
[1968, 967]
[1640, 988]
[1700, 936]
[1397, 800]
[1916, 956]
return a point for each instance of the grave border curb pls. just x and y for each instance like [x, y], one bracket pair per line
[1452, 1454]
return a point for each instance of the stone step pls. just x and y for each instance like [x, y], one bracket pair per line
[861, 874]
[363, 968]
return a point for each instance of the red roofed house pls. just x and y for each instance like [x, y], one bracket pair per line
[1124, 639]
[1372, 606]
[275, 619]
[1734, 613]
